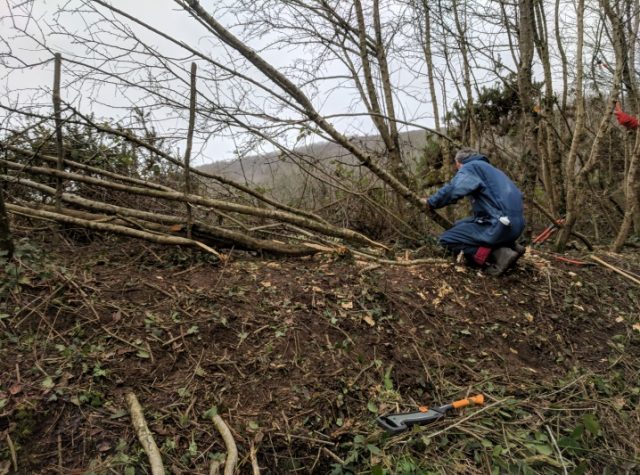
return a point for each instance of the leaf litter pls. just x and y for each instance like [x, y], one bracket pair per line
[280, 349]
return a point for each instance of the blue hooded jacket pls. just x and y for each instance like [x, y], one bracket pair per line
[492, 193]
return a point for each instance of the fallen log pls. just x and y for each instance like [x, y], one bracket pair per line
[215, 235]
[327, 229]
[113, 228]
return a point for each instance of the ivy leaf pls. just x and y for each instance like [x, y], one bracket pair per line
[569, 443]
[377, 470]
[591, 424]
[544, 449]
[580, 469]
[373, 449]
[209, 413]
[388, 382]
[118, 414]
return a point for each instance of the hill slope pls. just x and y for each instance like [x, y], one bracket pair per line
[299, 356]
[262, 169]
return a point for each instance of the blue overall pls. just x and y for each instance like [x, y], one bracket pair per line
[493, 196]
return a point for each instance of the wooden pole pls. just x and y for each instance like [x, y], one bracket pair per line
[187, 153]
[58, 121]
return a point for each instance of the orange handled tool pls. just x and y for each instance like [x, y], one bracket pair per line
[477, 400]
[396, 423]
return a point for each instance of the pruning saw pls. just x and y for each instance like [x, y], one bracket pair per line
[399, 422]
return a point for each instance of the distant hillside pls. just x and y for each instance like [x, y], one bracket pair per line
[266, 170]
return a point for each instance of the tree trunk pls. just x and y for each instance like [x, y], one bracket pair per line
[572, 179]
[632, 197]
[551, 152]
[525, 91]
[187, 153]
[58, 120]
[428, 58]
[395, 154]
[632, 176]
[309, 110]
[474, 139]
[563, 57]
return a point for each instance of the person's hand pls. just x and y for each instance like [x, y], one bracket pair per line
[426, 202]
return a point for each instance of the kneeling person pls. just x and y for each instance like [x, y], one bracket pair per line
[488, 239]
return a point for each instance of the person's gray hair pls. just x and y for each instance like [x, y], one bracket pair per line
[465, 153]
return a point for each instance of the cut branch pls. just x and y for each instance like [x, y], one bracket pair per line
[113, 228]
[88, 168]
[187, 153]
[277, 215]
[220, 179]
[615, 269]
[232, 450]
[221, 236]
[144, 435]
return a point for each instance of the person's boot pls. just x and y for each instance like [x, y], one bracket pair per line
[502, 258]
[520, 249]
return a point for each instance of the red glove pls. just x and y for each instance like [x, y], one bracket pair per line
[625, 120]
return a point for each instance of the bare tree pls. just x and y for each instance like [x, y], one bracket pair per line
[526, 94]
[572, 181]
[363, 74]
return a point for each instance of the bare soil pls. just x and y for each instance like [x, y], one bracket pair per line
[299, 356]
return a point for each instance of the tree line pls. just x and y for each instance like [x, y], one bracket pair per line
[533, 84]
